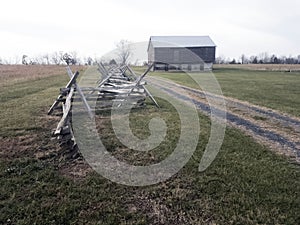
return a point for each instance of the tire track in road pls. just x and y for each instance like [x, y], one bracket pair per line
[279, 132]
[283, 119]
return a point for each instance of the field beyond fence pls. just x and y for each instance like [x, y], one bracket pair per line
[264, 67]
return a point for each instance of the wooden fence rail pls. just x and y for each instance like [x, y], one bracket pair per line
[114, 85]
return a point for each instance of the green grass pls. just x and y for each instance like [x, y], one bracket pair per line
[276, 90]
[246, 184]
[23, 104]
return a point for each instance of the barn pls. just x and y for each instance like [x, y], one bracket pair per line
[187, 53]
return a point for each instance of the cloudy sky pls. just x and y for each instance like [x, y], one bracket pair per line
[93, 27]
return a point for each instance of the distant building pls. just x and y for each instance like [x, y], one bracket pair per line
[189, 53]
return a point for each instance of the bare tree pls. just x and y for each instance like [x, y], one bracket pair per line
[46, 58]
[263, 58]
[61, 56]
[67, 58]
[56, 59]
[74, 57]
[24, 60]
[38, 60]
[89, 61]
[124, 51]
[220, 60]
[243, 59]
[274, 59]
[253, 59]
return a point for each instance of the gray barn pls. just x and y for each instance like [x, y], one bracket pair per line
[191, 53]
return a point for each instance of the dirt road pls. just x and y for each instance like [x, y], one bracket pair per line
[278, 131]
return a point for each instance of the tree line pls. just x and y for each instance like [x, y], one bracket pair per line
[262, 58]
[123, 52]
[55, 58]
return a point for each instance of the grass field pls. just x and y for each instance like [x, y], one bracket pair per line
[273, 89]
[261, 67]
[246, 184]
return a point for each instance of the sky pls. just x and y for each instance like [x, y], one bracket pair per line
[93, 27]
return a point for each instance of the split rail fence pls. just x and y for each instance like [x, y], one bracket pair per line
[116, 85]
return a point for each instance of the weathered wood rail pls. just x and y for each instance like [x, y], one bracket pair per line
[117, 84]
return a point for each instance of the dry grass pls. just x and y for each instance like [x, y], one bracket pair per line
[12, 74]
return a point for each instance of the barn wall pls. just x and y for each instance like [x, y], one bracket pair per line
[150, 53]
[184, 55]
[186, 67]
[207, 54]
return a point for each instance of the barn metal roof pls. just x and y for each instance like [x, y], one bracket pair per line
[181, 41]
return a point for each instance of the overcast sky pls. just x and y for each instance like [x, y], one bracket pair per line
[94, 27]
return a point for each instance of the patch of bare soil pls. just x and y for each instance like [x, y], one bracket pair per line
[17, 147]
